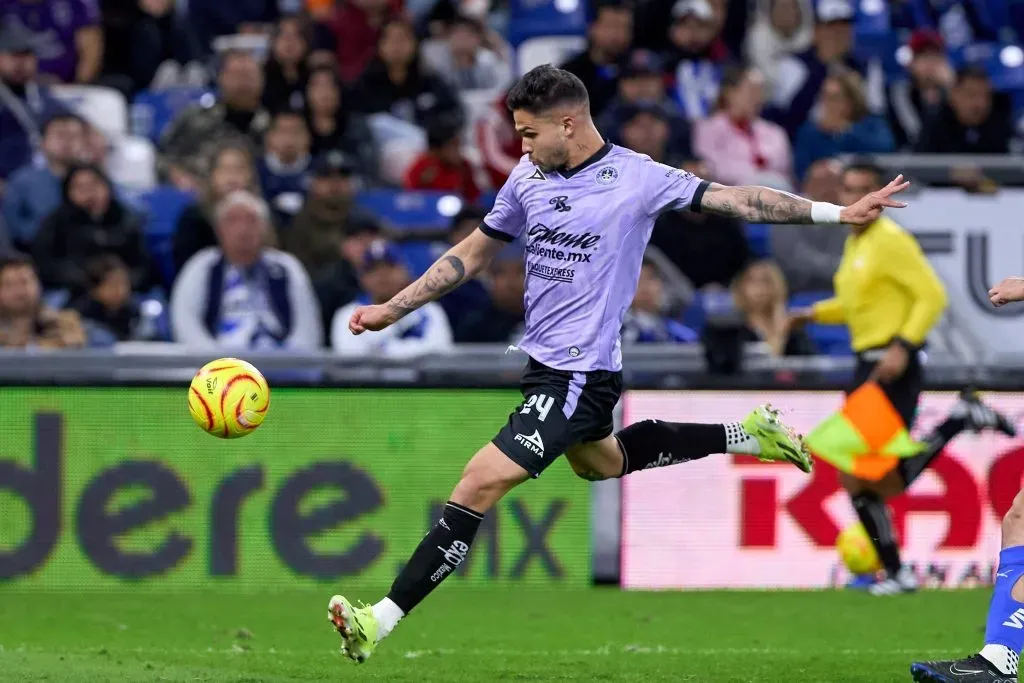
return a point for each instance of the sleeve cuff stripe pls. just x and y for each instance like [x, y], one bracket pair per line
[698, 196]
[495, 234]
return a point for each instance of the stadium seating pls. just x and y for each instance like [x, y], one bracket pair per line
[153, 111]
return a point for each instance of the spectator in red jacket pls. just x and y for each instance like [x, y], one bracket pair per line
[500, 145]
[356, 27]
[442, 166]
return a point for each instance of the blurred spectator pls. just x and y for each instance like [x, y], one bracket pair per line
[960, 22]
[500, 318]
[913, 101]
[25, 321]
[34, 191]
[781, 28]
[285, 73]
[90, 221]
[499, 144]
[642, 81]
[107, 308]
[334, 123]
[462, 59]
[395, 81]
[442, 166]
[740, 147]
[646, 129]
[609, 37]
[708, 249]
[229, 17]
[356, 27]
[645, 321]
[331, 233]
[424, 331]
[841, 123]
[236, 113]
[799, 78]
[5, 238]
[809, 254]
[24, 103]
[243, 294]
[695, 57]
[468, 300]
[68, 37]
[144, 38]
[231, 169]
[972, 121]
[284, 168]
[760, 294]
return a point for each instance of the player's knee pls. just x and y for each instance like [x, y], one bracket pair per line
[590, 473]
[1013, 522]
[485, 480]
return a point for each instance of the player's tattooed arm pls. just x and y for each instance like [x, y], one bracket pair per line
[756, 204]
[461, 263]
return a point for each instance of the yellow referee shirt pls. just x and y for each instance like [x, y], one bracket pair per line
[885, 288]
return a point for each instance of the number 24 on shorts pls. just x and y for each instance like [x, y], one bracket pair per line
[542, 403]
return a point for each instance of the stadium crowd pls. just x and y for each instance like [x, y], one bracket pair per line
[232, 213]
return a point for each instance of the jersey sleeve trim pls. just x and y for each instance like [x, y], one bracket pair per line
[698, 195]
[495, 234]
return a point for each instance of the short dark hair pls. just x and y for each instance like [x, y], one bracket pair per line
[544, 87]
[609, 6]
[285, 112]
[969, 71]
[99, 267]
[866, 166]
[14, 259]
[466, 21]
[61, 118]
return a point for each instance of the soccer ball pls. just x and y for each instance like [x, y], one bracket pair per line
[228, 398]
[857, 551]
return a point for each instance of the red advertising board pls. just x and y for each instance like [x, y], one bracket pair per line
[733, 522]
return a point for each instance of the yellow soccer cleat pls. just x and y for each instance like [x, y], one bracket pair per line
[357, 627]
[778, 441]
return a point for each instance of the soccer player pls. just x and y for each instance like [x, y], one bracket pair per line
[585, 209]
[890, 297]
[1004, 631]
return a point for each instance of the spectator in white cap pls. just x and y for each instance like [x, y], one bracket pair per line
[242, 294]
[695, 57]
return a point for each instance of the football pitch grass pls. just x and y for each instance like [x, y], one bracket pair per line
[487, 635]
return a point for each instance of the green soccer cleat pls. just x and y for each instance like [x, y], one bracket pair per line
[357, 627]
[779, 442]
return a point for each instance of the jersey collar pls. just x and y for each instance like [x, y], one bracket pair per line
[589, 161]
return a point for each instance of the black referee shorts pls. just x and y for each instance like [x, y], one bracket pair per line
[904, 392]
[559, 409]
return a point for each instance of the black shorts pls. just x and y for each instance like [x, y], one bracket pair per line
[560, 409]
[903, 393]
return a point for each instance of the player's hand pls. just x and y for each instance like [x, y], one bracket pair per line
[799, 317]
[370, 318]
[1010, 289]
[869, 207]
[893, 364]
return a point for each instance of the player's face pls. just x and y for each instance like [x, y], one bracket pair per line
[855, 185]
[545, 138]
[19, 290]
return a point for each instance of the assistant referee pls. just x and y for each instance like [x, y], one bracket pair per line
[889, 296]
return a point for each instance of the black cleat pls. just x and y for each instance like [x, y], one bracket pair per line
[980, 417]
[973, 669]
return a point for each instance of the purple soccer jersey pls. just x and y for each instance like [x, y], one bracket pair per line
[585, 232]
[54, 24]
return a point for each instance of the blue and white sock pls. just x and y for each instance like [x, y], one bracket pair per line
[1004, 632]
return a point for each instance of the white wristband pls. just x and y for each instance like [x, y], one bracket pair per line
[823, 212]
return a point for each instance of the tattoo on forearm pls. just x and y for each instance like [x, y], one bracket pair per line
[448, 273]
[758, 204]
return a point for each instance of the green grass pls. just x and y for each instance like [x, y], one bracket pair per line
[487, 635]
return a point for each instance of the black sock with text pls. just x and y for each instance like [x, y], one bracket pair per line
[874, 515]
[440, 552]
[653, 443]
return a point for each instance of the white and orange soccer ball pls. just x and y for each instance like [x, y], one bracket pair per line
[228, 398]
[857, 551]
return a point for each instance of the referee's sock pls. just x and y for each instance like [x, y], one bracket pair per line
[654, 443]
[935, 442]
[439, 554]
[874, 515]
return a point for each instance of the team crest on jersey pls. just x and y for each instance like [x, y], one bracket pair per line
[607, 175]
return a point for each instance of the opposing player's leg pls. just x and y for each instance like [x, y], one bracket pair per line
[655, 443]
[488, 476]
[1004, 631]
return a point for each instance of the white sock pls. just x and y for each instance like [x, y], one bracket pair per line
[388, 615]
[1001, 657]
[737, 440]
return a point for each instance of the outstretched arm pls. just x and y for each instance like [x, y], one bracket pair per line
[765, 205]
[459, 264]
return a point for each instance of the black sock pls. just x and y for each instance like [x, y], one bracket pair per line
[440, 552]
[653, 443]
[936, 441]
[874, 515]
